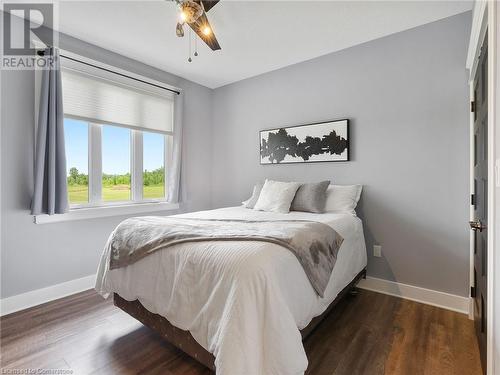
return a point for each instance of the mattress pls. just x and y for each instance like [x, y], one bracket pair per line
[243, 301]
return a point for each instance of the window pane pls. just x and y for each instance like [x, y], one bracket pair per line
[154, 165]
[115, 163]
[76, 138]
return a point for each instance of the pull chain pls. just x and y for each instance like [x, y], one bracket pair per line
[195, 46]
[189, 37]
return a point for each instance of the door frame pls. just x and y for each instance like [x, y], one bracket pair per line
[485, 15]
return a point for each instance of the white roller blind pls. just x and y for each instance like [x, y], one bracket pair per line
[106, 101]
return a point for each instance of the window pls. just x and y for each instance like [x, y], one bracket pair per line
[117, 133]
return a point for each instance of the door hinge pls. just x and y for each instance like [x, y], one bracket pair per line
[473, 106]
[472, 291]
[472, 200]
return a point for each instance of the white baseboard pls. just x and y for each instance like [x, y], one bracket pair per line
[39, 296]
[414, 293]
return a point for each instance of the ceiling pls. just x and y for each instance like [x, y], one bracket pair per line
[256, 36]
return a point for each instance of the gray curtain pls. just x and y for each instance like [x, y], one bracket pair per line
[50, 194]
[174, 177]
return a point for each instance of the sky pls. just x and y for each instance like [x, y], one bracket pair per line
[115, 148]
[153, 144]
[76, 142]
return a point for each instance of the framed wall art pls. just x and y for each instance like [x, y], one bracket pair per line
[317, 142]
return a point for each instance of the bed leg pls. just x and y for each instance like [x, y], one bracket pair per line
[354, 289]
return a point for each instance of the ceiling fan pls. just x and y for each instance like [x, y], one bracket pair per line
[194, 13]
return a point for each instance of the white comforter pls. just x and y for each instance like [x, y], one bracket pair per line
[242, 301]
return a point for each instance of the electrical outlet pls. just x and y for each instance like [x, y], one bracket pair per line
[377, 251]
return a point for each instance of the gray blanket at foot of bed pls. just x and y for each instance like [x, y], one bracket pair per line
[313, 243]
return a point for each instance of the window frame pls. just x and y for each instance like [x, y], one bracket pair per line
[136, 166]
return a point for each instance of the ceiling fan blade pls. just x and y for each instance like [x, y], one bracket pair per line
[209, 4]
[200, 26]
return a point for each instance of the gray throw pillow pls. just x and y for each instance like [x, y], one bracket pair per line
[311, 197]
[250, 202]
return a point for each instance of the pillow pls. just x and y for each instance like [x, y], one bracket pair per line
[342, 198]
[250, 202]
[276, 196]
[310, 197]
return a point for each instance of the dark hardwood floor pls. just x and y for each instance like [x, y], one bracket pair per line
[369, 333]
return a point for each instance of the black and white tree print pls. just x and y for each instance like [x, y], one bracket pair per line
[278, 144]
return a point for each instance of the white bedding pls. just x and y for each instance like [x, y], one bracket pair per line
[243, 301]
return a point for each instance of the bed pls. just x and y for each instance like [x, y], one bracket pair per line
[241, 307]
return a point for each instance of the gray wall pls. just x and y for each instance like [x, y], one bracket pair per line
[35, 256]
[406, 96]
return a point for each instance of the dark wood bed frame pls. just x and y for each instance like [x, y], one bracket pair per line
[185, 341]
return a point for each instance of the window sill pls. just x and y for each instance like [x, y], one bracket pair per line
[106, 211]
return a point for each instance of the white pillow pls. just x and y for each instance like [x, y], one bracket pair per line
[342, 198]
[276, 196]
[250, 202]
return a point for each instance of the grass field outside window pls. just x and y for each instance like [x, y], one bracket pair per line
[78, 194]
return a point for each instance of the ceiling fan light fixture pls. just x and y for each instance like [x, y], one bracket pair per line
[182, 16]
[193, 14]
[189, 11]
[206, 30]
[179, 30]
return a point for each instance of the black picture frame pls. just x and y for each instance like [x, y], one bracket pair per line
[338, 125]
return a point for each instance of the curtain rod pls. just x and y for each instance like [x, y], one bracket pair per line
[41, 53]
